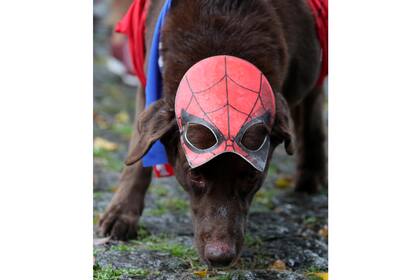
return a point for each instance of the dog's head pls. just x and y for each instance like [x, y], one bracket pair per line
[222, 188]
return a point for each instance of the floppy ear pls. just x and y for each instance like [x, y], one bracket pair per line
[152, 124]
[283, 129]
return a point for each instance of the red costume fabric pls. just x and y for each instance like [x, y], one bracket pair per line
[319, 10]
[133, 24]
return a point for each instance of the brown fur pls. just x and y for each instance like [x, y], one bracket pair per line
[277, 36]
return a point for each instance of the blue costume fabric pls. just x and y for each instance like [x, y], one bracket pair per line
[157, 154]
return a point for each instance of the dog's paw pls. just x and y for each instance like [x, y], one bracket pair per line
[119, 223]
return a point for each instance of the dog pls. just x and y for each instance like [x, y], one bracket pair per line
[278, 37]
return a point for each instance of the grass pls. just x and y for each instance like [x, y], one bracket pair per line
[108, 159]
[160, 191]
[166, 205]
[265, 198]
[252, 241]
[122, 129]
[164, 244]
[122, 247]
[110, 273]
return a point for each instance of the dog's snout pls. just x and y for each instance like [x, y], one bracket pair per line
[219, 253]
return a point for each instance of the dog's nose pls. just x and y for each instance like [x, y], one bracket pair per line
[219, 254]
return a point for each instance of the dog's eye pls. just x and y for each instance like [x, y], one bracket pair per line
[254, 137]
[200, 136]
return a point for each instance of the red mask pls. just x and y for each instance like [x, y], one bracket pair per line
[227, 95]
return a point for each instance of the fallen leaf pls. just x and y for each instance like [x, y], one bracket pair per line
[122, 117]
[323, 231]
[284, 182]
[321, 275]
[114, 189]
[100, 121]
[278, 265]
[101, 143]
[101, 241]
[201, 273]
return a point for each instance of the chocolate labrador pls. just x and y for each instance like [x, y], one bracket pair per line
[277, 37]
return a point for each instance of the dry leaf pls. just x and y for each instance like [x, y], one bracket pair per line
[322, 275]
[283, 183]
[101, 241]
[324, 231]
[101, 143]
[122, 117]
[278, 265]
[100, 121]
[201, 273]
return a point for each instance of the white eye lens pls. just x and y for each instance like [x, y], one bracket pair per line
[200, 136]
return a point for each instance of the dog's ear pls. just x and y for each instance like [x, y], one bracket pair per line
[283, 128]
[152, 124]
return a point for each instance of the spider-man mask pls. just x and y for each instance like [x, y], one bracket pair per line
[227, 95]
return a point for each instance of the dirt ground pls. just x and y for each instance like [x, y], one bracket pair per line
[283, 227]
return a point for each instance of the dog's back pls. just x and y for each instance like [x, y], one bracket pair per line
[277, 36]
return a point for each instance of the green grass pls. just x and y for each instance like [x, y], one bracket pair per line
[109, 160]
[109, 273]
[122, 247]
[163, 243]
[310, 220]
[265, 198]
[165, 205]
[122, 129]
[160, 191]
[252, 241]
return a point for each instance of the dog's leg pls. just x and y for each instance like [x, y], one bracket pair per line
[122, 214]
[310, 133]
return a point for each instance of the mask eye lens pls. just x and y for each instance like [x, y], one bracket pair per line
[254, 137]
[200, 136]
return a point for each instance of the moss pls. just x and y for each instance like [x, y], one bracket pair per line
[110, 273]
[164, 244]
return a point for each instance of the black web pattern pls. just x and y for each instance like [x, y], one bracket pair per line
[230, 140]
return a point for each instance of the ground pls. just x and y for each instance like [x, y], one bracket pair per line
[287, 233]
